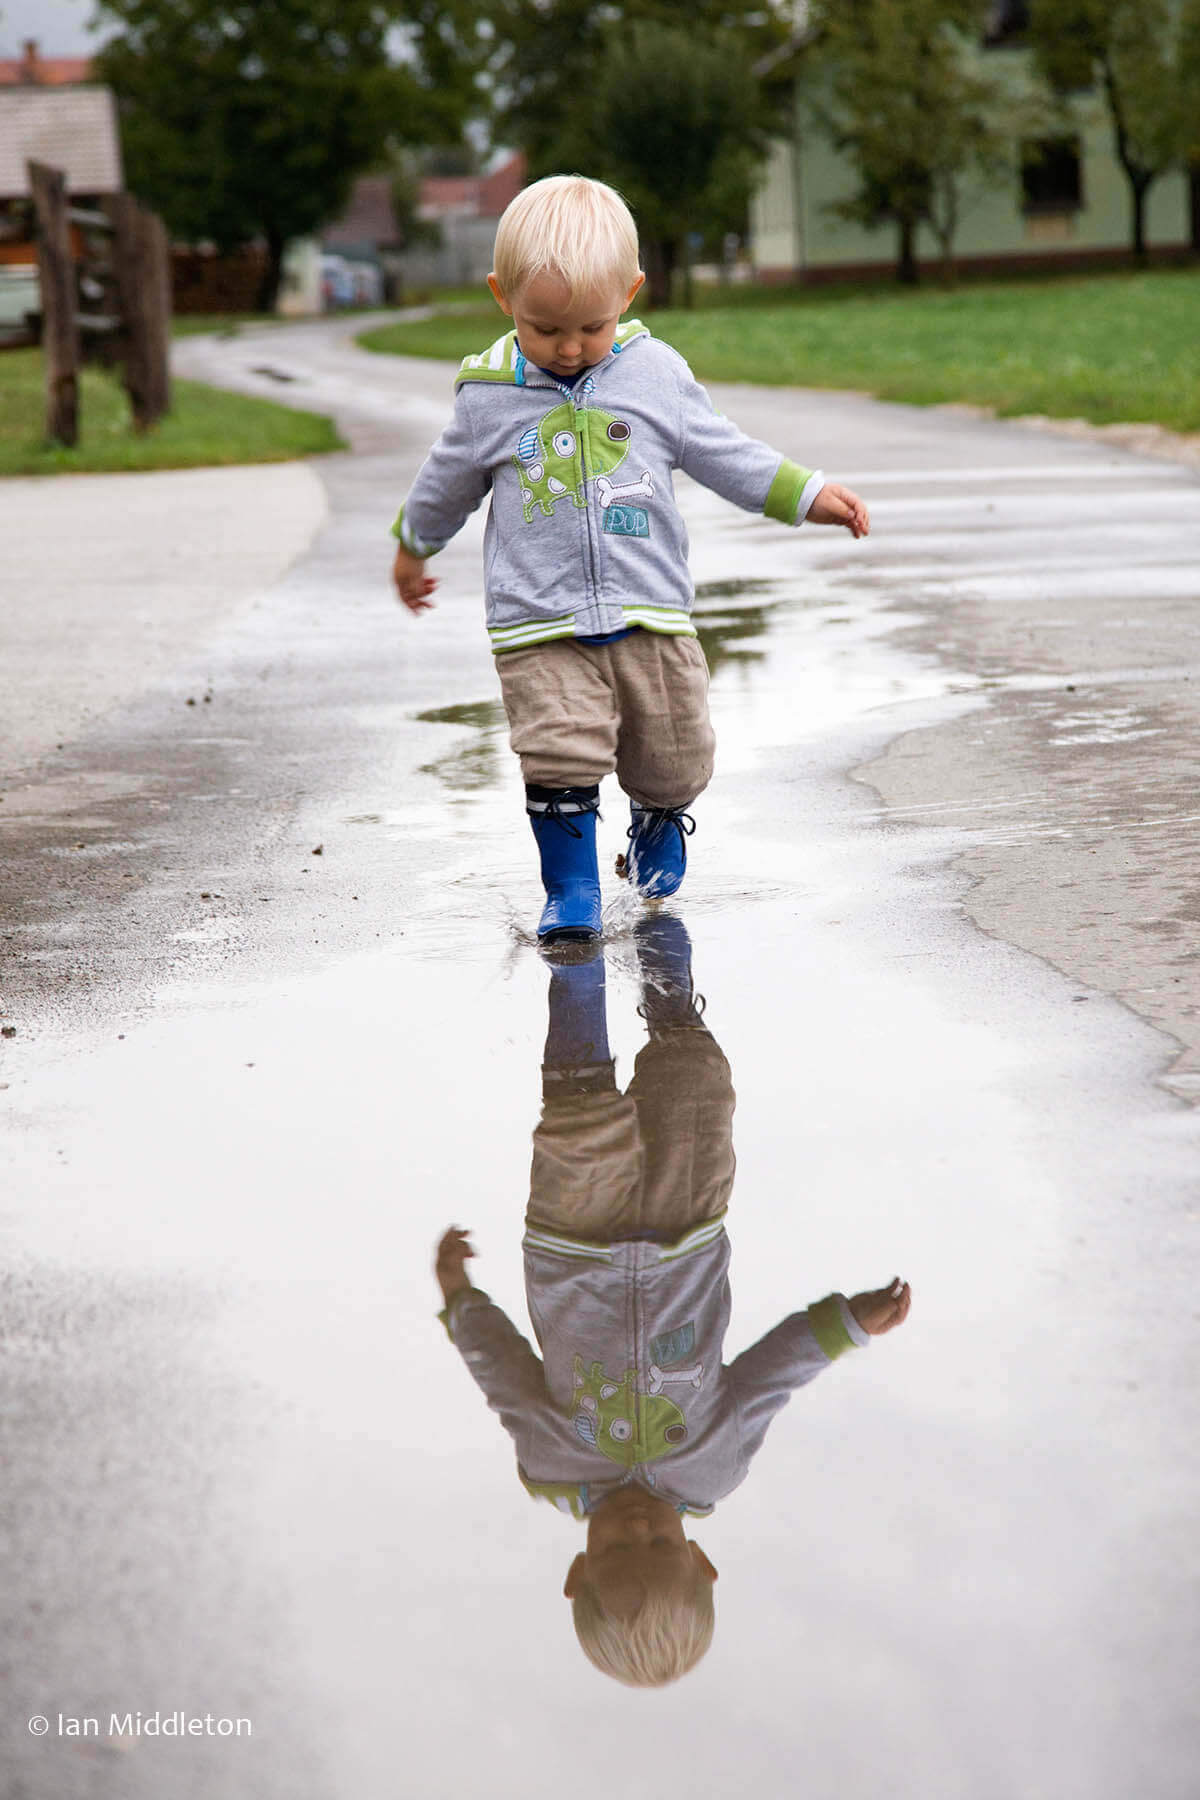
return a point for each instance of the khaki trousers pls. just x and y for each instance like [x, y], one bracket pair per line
[639, 707]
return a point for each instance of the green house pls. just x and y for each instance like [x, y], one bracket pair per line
[1066, 202]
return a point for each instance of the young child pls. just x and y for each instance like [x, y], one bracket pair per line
[629, 1419]
[575, 423]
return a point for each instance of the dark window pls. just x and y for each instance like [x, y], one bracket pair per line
[1050, 176]
[1007, 23]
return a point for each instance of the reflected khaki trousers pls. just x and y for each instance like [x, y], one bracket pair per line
[648, 1163]
[639, 707]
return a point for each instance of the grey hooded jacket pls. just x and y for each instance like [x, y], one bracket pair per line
[631, 1385]
[583, 536]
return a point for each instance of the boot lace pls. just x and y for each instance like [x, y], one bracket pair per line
[651, 820]
[578, 799]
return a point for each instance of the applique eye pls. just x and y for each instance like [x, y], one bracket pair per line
[618, 431]
[564, 443]
[675, 1434]
[621, 1429]
[534, 472]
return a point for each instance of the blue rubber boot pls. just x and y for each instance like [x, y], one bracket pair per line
[564, 824]
[577, 1058]
[657, 854]
[664, 953]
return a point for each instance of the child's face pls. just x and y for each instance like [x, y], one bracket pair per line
[635, 1543]
[558, 333]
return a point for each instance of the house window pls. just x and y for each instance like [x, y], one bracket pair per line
[1007, 23]
[1051, 176]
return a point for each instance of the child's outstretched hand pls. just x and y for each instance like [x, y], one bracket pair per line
[454, 1248]
[884, 1308]
[836, 505]
[413, 585]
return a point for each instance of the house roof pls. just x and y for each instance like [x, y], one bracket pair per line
[473, 196]
[35, 70]
[369, 218]
[71, 128]
[502, 185]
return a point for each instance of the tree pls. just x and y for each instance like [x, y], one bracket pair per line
[675, 121]
[549, 55]
[243, 120]
[914, 115]
[1189, 96]
[1130, 48]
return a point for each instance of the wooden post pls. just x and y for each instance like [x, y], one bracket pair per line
[158, 258]
[60, 330]
[142, 266]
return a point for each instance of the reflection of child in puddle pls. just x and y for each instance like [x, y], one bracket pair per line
[630, 1420]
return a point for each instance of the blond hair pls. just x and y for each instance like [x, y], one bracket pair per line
[579, 229]
[665, 1639]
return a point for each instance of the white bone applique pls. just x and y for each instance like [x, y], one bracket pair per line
[660, 1377]
[610, 492]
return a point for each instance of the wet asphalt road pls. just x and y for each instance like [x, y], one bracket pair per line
[250, 1084]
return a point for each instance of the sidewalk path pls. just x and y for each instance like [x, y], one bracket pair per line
[111, 580]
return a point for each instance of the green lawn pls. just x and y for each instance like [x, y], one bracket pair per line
[1101, 347]
[206, 426]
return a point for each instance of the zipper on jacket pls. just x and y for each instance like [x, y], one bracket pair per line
[593, 559]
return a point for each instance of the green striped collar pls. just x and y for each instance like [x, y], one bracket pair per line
[503, 360]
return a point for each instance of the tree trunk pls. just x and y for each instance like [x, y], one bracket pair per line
[661, 261]
[1139, 221]
[906, 265]
[661, 256]
[948, 268]
[268, 289]
[1194, 198]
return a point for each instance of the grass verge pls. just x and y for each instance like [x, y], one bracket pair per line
[206, 427]
[1106, 348]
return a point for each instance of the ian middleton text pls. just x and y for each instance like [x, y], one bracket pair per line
[155, 1724]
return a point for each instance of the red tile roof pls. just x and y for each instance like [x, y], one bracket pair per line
[369, 218]
[34, 70]
[473, 196]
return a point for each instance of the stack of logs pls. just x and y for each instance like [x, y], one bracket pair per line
[126, 270]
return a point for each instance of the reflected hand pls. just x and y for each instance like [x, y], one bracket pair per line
[412, 583]
[454, 1248]
[883, 1308]
[836, 505]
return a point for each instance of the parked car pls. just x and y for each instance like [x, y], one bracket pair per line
[349, 282]
[19, 294]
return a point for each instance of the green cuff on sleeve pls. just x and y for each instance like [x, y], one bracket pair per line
[829, 1328]
[412, 543]
[783, 496]
[448, 1311]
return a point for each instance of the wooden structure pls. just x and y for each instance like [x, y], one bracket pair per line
[123, 277]
[60, 324]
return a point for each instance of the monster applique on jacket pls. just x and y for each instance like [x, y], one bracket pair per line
[583, 534]
[630, 1384]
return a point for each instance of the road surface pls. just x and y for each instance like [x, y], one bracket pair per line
[277, 1020]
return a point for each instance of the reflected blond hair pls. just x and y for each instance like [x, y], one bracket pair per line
[577, 228]
[665, 1639]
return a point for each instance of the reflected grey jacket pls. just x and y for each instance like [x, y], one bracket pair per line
[583, 535]
[631, 1385]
